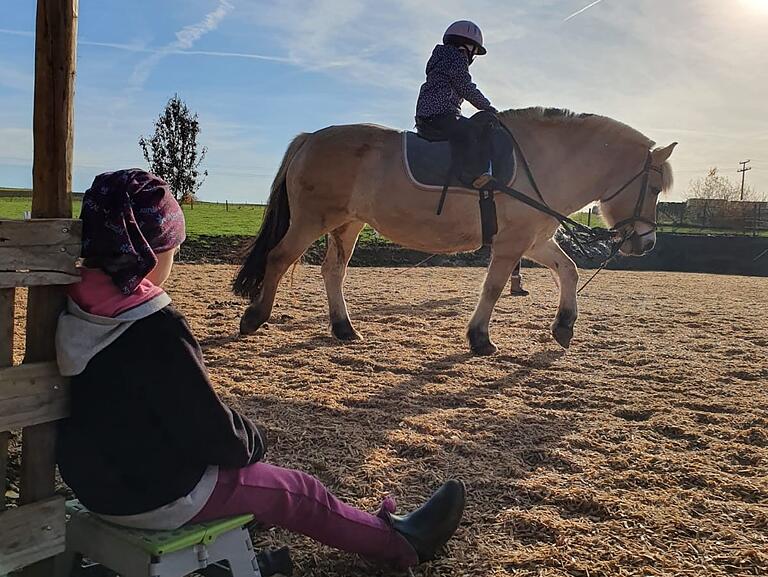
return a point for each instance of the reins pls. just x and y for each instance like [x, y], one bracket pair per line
[573, 228]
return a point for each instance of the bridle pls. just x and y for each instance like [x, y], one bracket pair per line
[644, 188]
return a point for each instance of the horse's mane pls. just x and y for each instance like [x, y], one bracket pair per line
[542, 115]
[554, 115]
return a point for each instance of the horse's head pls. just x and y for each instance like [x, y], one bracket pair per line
[631, 210]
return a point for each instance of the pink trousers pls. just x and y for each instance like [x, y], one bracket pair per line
[300, 503]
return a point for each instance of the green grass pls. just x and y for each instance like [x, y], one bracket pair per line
[210, 218]
[204, 219]
[214, 219]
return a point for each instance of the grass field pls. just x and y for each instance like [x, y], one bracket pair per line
[213, 219]
[204, 219]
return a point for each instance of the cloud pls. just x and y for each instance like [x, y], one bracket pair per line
[185, 39]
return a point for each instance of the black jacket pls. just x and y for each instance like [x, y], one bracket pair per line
[145, 421]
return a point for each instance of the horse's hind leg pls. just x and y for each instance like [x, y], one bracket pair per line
[552, 256]
[478, 330]
[298, 238]
[341, 244]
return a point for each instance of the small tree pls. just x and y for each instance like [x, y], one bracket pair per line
[713, 186]
[172, 152]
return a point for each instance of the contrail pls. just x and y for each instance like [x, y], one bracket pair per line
[582, 10]
[185, 39]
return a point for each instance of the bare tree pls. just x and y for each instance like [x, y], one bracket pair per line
[172, 151]
[713, 186]
[716, 186]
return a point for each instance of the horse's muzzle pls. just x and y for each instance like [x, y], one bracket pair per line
[637, 245]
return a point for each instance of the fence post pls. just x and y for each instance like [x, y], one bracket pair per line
[53, 124]
[7, 297]
[226, 205]
[757, 218]
[589, 217]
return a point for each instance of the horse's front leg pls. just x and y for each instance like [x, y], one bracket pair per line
[552, 256]
[495, 281]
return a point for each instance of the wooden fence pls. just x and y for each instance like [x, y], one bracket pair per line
[33, 253]
[40, 254]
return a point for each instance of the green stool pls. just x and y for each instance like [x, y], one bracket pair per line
[139, 553]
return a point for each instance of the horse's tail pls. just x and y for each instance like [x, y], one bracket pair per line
[277, 218]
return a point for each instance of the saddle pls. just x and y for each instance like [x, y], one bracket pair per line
[428, 162]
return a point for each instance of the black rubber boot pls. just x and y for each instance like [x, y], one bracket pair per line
[429, 527]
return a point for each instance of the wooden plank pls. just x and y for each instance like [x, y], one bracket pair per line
[61, 258]
[40, 232]
[53, 129]
[32, 394]
[37, 278]
[7, 309]
[31, 533]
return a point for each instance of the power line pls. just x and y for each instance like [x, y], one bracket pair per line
[743, 170]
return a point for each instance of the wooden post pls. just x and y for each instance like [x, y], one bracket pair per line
[7, 308]
[55, 62]
[589, 217]
[226, 205]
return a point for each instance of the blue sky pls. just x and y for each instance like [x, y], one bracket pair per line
[260, 71]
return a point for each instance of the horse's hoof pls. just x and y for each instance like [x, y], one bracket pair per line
[251, 321]
[485, 349]
[563, 335]
[344, 331]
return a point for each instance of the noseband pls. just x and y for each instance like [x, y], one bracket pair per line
[636, 217]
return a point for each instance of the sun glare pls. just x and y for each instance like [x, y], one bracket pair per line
[757, 5]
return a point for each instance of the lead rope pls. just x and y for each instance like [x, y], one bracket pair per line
[413, 266]
[614, 252]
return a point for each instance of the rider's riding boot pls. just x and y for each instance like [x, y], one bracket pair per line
[430, 526]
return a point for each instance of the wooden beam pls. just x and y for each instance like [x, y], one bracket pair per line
[40, 232]
[7, 309]
[37, 278]
[53, 127]
[32, 394]
[31, 533]
[61, 258]
[39, 252]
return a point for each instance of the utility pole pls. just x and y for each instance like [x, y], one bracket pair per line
[743, 170]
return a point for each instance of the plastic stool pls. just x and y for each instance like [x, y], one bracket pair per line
[139, 553]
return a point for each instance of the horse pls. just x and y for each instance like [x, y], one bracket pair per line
[336, 180]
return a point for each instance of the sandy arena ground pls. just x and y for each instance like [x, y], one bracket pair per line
[643, 450]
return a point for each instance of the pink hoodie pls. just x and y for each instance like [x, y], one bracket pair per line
[96, 294]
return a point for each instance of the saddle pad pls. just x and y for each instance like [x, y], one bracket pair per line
[427, 163]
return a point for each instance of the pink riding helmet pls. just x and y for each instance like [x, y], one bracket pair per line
[468, 30]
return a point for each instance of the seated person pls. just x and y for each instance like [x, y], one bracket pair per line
[448, 84]
[149, 444]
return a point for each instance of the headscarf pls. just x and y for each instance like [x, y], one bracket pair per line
[129, 216]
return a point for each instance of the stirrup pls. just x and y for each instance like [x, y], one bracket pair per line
[482, 181]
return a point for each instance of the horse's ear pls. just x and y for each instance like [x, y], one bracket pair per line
[661, 155]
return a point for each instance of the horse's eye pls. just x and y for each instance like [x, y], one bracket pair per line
[655, 190]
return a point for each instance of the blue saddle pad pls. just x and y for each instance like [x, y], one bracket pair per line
[428, 162]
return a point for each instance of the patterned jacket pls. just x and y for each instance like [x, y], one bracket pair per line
[448, 84]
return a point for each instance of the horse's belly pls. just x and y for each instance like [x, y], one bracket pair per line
[417, 226]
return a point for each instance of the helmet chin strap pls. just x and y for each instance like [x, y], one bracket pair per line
[471, 52]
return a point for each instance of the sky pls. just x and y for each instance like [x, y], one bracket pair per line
[260, 71]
